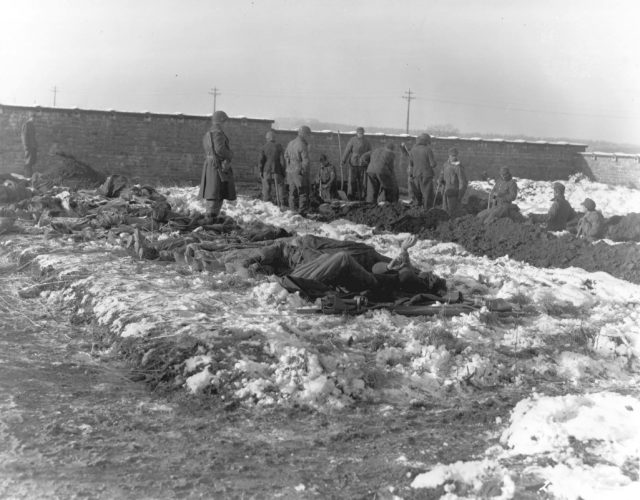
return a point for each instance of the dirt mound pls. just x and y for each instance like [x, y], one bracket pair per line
[397, 217]
[626, 228]
[533, 244]
[66, 170]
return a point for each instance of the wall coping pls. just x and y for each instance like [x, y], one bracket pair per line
[596, 154]
[180, 116]
[448, 138]
[111, 112]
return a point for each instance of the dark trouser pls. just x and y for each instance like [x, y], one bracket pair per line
[277, 182]
[450, 201]
[30, 158]
[422, 188]
[356, 187]
[326, 192]
[299, 187]
[213, 207]
[337, 269]
[382, 187]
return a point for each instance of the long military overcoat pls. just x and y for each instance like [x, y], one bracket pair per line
[217, 182]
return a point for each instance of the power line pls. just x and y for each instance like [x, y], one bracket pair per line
[215, 93]
[409, 98]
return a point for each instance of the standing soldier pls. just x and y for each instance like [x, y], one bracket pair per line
[454, 183]
[381, 177]
[421, 172]
[217, 183]
[356, 148]
[30, 145]
[299, 170]
[326, 178]
[272, 169]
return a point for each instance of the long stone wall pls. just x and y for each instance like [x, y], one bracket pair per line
[146, 147]
[161, 148]
[609, 168]
[481, 158]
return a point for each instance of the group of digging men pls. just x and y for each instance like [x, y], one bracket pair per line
[371, 177]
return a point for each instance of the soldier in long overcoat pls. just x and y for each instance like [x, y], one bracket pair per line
[30, 145]
[454, 183]
[351, 158]
[217, 183]
[299, 170]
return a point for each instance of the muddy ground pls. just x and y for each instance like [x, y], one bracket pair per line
[527, 242]
[75, 425]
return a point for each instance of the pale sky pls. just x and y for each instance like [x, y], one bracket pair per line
[559, 68]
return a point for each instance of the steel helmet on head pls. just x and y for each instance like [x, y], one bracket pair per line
[589, 204]
[304, 131]
[219, 117]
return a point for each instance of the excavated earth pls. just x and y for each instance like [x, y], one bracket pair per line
[527, 242]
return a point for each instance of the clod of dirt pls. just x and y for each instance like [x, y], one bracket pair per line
[397, 217]
[66, 170]
[625, 228]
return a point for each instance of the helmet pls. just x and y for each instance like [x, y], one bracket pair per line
[589, 204]
[557, 186]
[270, 135]
[423, 139]
[304, 130]
[453, 151]
[219, 117]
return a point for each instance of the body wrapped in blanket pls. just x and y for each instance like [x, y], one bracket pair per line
[349, 266]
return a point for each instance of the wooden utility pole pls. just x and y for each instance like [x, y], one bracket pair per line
[215, 93]
[409, 97]
[55, 93]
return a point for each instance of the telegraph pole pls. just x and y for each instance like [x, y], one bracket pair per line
[55, 93]
[215, 93]
[409, 97]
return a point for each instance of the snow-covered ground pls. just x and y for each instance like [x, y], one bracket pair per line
[571, 327]
[535, 196]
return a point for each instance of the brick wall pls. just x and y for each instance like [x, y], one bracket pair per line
[610, 168]
[532, 160]
[145, 147]
[152, 148]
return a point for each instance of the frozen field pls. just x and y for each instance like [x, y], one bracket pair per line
[570, 349]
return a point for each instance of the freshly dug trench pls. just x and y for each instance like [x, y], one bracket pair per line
[532, 244]
[528, 242]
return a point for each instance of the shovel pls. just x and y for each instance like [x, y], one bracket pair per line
[341, 194]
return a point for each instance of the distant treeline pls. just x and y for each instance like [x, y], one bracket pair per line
[447, 130]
